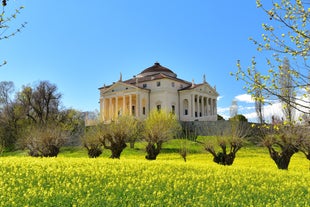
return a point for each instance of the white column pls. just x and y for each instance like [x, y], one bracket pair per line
[212, 111]
[102, 108]
[110, 109]
[215, 107]
[206, 107]
[191, 108]
[138, 104]
[198, 106]
[116, 106]
[124, 106]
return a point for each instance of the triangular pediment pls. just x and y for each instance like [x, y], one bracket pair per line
[202, 88]
[118, 87]
[207, 89]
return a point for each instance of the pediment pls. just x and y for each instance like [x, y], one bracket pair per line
[118, 87]
[207, 89]
[204, 88]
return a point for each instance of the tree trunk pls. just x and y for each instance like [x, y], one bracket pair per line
[224, 159]
[117, 148]
[132, 145]
[50, 151]
[282, 159]
[153, 150]
[94, 152]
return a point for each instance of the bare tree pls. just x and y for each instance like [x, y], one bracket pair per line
[232, 138]
[116, 134]
[9, 116]
[5, 19]
[286, 35]
[287, 91]
[91, 140]
[224, 157]
[303, 141]
[45, 140]
[160, 126]
[40, 103]
[283, 142]
[259, 101]
[42, 113]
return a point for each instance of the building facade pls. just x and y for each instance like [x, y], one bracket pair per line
[158, 87]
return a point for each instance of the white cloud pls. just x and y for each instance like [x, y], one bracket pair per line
[219, 98]
[274, 109]
[245, 98]
[252, 117]
[246, 107]
[223, 111]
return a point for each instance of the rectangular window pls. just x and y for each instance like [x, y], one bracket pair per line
[158, 107]
[133, 110]
[158, 83]
[185, 112]
[144, 85]
[172, 84]
[173, 109]
[143, 110]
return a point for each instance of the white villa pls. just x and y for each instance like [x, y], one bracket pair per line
[158, 87]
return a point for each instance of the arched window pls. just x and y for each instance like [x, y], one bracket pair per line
[158, 105]
[185, 106]
[143, 106]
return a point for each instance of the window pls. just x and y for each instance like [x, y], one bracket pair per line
[158, 83]
[185, 112]
[133, 110]
[173, 109]
[143, 110]
[185, 105]
[158, 107]
[172, 84]
[144, 85]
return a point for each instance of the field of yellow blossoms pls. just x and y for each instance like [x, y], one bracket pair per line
[253, 180]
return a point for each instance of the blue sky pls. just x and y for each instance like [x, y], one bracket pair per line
[81, 45]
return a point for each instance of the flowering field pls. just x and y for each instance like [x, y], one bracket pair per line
[253, 180]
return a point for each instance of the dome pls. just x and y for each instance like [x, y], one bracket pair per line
[155, 69]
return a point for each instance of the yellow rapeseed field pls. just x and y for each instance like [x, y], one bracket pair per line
[169, 181]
